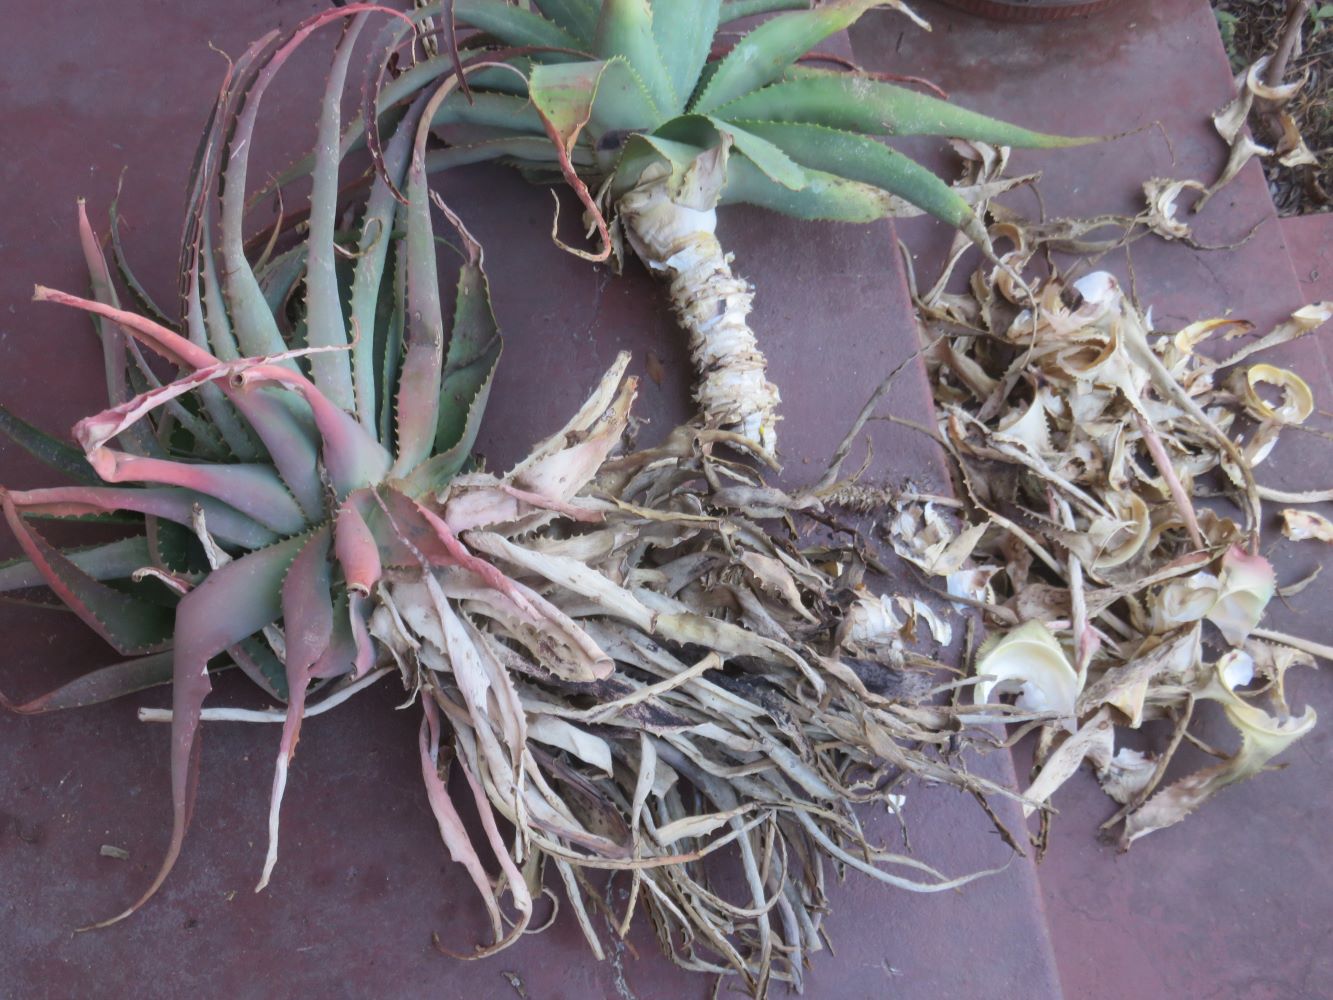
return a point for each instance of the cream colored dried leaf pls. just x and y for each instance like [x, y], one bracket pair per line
[1305, 525]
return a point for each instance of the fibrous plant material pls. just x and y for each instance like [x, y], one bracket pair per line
[1082, 438]
[657, 113]
[630, 672]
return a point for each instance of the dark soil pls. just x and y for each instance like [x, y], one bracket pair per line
[1250, 29]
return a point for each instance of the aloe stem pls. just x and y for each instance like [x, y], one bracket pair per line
[712, 305]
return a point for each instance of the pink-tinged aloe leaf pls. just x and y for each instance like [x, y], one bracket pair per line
[118, 348]
[225, 522]
[168, 343]
[130, 625]
[97, 686]
[372, 255]
[432, 540]
[339, 657]
[452, 831]
[256, 329]
[65, 459]
[280, 429]
[232, 603]
[112, 561]
[307, 617]
[254, 490]
[358, 614]
[418, 401]
[357, 551]
[351, 454]
[137, 291]
[114, 357]
[325, 326]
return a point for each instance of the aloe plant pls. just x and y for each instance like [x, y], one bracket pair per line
[294, 457]
[657, 114]
[621, 663]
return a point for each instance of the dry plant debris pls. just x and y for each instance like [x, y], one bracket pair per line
[1081, 438]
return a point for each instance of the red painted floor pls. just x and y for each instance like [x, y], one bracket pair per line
[1236, 903]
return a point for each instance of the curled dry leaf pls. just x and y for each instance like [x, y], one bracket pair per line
[1304, 525]
[1031, 663]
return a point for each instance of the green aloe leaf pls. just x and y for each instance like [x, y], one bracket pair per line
[132, 626]
[110, 561]
[857, 103]
[734, 10]
[509, 111]
[523, 149]
[868, 161]
[764, 54]
[578, 17]
[825, 196]
[64, 458]
[98, 686]
[625, 29]
[326, 325]
[511, 25]
[474, 353]
[684, 30]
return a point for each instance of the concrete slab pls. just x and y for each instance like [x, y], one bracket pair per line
[1309, 240]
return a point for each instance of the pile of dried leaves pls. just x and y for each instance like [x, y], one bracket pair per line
[1081, 438]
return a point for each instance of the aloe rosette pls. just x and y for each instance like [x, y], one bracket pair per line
[657, 112]
[628, 670]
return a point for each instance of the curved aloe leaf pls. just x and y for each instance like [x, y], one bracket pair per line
[64, 458]
[865, 160]
[326, 327]
[233, 602]
[226, 523]
[510, 24]
[132, 626]
[824, 197]
[765, 53]
[110, 561]
[578, 17]
[307, 617]
[683, 30]
[855, 102]
[97, 686]
[524, 149]
[625, 29]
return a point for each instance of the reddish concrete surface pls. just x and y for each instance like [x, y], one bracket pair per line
[1309, 240]
[363, 880]
[1237, 902]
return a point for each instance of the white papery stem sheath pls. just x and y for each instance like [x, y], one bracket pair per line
[711, 304]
